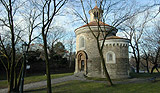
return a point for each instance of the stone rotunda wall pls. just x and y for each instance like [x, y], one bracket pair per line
[120, 67]
[90, 47]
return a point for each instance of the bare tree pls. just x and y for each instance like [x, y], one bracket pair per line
[55, 34]
[8, 5]
[31, 17]
[9, 22]
[145, 56]
[134, 30]
[49, 10]
[12, 30]
[153, 41]
[154, 60]
[70, 44]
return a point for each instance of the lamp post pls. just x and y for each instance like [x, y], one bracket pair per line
[24, 49]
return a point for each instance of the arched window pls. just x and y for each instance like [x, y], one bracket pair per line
[110, 57]
[81, 42]
[96, 15]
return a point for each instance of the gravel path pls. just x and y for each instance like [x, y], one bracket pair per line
[44, 83]
[72, 77]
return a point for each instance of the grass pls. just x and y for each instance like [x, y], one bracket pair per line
[133, 75]
[155, 70]
[96, 79]
[92, 87]
[3, 84]
[31, 79]
[104, 79]
[43, 77]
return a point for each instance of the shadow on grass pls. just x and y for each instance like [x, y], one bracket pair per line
[93, 87]
[35, 90]
[57, 86]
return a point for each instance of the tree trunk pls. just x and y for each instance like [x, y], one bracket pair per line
[23, 74]
[70, 61]
[105, 69]
[104, 65]
[10, 17]
[147, 66]
[136, 57]
[137, 67]
[13, 63]
[157, 69]
[15, 80]
[138, 60]
[155, 61]
[154, 67]
[49, 89]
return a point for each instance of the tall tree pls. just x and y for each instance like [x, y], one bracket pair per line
[145, 56]
[15, 27]
[134, 33]
[30, 17]
[55, 34]
[49, 10]
[153, 42]
[70, 44]
[134, 30]
[10, 24]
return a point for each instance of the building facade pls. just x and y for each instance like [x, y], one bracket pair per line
[115, 51]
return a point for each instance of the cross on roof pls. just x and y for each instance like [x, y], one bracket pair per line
[96, 2]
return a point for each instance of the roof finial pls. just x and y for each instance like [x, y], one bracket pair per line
[96, 2]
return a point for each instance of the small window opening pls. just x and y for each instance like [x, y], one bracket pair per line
[109, 57]
[82, 65]
[81, 42]
[96, 15]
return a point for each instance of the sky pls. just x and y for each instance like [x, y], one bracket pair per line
[70, 25]
[70, 22]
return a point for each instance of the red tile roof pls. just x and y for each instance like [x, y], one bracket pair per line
[94, 23]
[96, 7]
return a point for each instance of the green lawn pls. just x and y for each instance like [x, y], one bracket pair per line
[92, 87]
[43, 77]
[3, 84]
[133, 75]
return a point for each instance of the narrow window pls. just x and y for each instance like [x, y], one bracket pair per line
[81, 42]
[110, 57]
[82, 65]
[96, 15]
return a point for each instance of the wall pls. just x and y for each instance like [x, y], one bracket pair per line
[94, 66]
[120, 68]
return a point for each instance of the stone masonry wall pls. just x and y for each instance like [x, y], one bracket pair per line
[120, 68]
[94, 66]
[93, 62]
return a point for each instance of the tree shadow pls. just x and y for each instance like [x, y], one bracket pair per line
[35, 90]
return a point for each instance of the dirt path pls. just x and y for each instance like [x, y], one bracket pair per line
[44, 83]
[72, 77]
